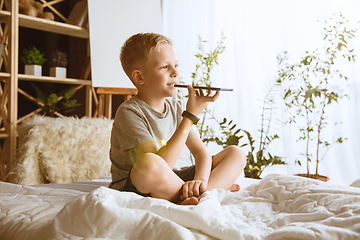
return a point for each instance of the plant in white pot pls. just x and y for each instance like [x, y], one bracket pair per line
[312, 85]
[59, 60]
[33, 60]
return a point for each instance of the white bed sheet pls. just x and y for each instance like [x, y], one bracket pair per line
[88, 186]
[277, 207]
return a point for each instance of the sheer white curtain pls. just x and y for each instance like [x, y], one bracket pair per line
[256, 32]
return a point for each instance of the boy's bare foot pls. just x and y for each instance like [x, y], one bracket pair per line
[190, 201]
[235, 187]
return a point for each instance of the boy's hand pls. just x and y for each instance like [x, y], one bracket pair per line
[193, 188]
[198, 102]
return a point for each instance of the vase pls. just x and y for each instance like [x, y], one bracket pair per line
[58, 72]
[33, 70]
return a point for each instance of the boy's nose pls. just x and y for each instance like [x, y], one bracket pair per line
[174, 73]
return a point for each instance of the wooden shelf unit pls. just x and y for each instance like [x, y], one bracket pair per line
[9, 87]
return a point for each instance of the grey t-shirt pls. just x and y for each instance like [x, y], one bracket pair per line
[137, 123]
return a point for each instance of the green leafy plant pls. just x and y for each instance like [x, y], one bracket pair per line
[59, 59]
[259, 160]
[311, 86]
[201, 77]
[32, 56]
[229, 135]
[50, 104]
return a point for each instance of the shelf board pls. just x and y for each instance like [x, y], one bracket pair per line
[53, 26]
[53, 79]
[47, 25]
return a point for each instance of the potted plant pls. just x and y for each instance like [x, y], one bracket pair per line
[54, 103]
[259, 160]
[33, 61]
[311, 86]
[255, 163]
[59, 60]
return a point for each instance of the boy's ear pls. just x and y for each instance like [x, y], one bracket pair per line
[137, 77]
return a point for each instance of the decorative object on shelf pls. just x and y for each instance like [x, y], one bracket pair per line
[53, 103]
[311, 86]
[59, 60]
[79, 14]
[33, 61]
[34, 9]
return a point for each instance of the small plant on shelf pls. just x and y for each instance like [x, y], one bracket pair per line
[53, 103]
[33, 56]
[59, 59]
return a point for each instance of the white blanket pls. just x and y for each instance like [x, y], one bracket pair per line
[278, 207]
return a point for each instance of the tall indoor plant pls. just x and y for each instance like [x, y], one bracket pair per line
[202, 77]
[229, 135]
[310, 88]
[257, 160]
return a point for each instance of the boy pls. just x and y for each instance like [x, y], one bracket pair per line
[151, 129]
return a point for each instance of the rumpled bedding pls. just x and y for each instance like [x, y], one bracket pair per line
[277, 207]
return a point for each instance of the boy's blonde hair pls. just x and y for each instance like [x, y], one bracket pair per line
[137, 48]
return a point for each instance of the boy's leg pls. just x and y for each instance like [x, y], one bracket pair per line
[151, 174]
[227, 167]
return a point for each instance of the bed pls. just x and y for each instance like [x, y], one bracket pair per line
[276, 207]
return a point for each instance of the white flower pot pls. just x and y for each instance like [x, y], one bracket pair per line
[33, 70]
[59, 72]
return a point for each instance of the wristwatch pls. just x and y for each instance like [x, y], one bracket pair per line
[191, 116]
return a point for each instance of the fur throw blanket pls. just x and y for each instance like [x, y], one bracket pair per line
[62, 150]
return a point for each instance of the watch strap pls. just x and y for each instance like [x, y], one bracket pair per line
[191, 116]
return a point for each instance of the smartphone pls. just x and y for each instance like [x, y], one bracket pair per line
[205, 88]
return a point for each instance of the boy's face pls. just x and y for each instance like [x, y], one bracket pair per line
[160, 73]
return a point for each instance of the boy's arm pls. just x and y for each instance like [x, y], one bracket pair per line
[203, 161]
[202, 157]
[170, 152]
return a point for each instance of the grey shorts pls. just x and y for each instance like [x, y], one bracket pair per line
[185, 174]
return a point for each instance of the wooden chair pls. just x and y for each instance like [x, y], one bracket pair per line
[105, 98]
